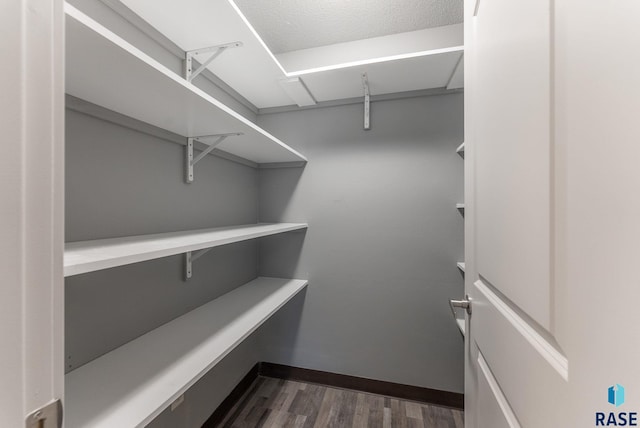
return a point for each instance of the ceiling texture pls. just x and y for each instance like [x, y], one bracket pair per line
[289, 25]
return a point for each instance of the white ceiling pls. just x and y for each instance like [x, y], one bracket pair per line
[399, 62]
[289, 25]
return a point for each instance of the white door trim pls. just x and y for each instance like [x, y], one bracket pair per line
[31, 207]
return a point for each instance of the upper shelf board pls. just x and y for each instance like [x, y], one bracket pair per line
[423, 70]
[104, 69]
[252, 70]
[414, 60]
[88, 256]
[131, 385]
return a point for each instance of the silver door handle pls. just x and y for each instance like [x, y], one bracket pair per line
[463, 304]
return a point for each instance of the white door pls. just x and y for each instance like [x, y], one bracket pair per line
[31, 211]
[552, 194]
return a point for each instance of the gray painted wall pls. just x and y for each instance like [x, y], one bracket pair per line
[122, 182]
[382, 245]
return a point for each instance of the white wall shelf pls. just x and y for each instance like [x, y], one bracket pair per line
[88, 256]
[416, 60]
[422, 70]
[104, 69]
[219, 22]
[132, 384]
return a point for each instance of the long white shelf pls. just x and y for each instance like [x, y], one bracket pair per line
[401, 73]
[212, 23]
[88, 256]
[132, 384]
[104, 69]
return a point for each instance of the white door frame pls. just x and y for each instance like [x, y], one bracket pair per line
[31, 207]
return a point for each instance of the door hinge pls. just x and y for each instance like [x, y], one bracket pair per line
[48, 416]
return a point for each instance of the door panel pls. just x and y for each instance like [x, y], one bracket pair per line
[514, 363]
[552, 95]
[512, 134]
[512, 350]
[496, 410]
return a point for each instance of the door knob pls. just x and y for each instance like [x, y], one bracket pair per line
[463, 304]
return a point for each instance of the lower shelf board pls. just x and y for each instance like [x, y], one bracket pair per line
[131, 385]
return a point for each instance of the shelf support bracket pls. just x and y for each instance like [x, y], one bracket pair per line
[215, 52]
[189, 258]
[190, 161]
[367, 96]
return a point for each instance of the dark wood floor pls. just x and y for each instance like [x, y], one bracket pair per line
[283, 403]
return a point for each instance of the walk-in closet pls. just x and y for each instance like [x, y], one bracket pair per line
[319, 213]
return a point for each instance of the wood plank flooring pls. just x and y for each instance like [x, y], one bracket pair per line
[277, 403]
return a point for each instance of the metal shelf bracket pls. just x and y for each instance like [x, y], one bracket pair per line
[198, 54]
[189, 258]
[190, 161]
[367, 96]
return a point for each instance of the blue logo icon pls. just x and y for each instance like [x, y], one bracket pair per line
[616, 395]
